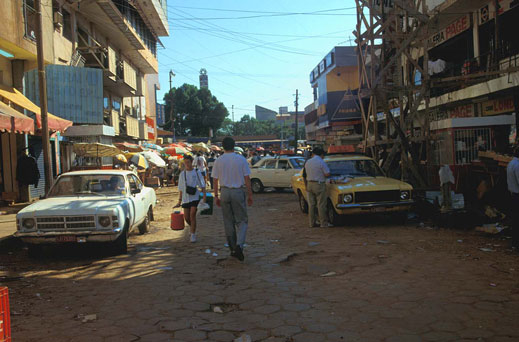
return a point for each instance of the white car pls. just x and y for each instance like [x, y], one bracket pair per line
[88, 206]
[275, 172]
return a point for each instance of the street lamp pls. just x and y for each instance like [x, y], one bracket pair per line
[171, 75]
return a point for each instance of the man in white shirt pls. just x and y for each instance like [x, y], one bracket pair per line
[201, 164]
[315, 173]
[512, 177]
[231, 177]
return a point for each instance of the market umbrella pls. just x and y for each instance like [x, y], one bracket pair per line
[215, 148]
[200, 147]
[129, 147]
[238, 149]
[121, 158]
[154, 158]
[152, 146]
[174, 150]
[139, 160]
[95, 150]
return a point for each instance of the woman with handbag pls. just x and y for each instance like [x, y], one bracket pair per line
[189, 181]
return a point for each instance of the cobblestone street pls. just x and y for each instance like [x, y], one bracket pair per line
[371, 280]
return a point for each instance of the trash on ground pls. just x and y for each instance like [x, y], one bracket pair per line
[208, 251]
[329, 274]
[493, 284]
[383, 242]
[243, 338]
[313, 244]
[165, 268]
[89, 318]
[215, 254]
[460, 241]
[217, 309]
[486, 249]
[274, 240]
[226, 245]
[493, 213]
[285, 258]
[383, 256]
[492, 228]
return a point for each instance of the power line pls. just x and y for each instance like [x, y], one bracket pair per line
[249, 11]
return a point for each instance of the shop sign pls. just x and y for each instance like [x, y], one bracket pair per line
[151, 128]
[454, 29]
[387, 3]
[488, 12]
[466, 111]
[498, 106]
[322, 66]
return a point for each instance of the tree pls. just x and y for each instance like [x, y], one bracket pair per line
[195, 111]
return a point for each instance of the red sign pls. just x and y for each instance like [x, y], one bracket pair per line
[455, 28]
[151, 128]
[499, 106]
[466, 111]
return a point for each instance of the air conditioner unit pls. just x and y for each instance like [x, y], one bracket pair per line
[58, 19]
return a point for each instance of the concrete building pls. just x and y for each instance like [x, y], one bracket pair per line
[101, 66]
[334, 118]
[265, 114]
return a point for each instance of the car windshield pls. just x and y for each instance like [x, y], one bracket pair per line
[297, 163]
[91, 184]
[354, 168]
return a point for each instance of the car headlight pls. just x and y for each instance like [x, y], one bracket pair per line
[348, 198]
[28, 223]
[104, 221]
[405, 195]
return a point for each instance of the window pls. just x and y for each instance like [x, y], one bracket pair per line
[270, 164]
[297, 163]
[283, 164]
[29, 16]
[135, 183]
[116, 104]
[67, 24]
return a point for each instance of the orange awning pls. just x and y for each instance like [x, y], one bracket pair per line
[13, 95]
[12, 120]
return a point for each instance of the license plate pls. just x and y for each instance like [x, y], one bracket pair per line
[378, 210]
[66, 238]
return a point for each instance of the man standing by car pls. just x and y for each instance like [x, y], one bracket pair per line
[231, 177]
[316, 172]
[512, 175]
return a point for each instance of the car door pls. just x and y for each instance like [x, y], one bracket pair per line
[283, 174]
[138, 198]
[268, 175]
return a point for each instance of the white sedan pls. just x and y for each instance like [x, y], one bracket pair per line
[88, 206]
[275, 172]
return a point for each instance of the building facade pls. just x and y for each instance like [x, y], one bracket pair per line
[334, 118]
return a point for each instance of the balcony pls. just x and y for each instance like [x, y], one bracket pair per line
[155, 15]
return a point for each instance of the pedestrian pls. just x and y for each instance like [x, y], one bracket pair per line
[446, 182]
[512, 177]
[201, 164]
[255, 158]
[210, 164]
[315, 173]
[189, 181]
[231, 177]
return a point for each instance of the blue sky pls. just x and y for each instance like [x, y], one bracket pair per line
[260, 60]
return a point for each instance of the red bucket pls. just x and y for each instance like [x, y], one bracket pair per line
[5, 316]
[177, 220]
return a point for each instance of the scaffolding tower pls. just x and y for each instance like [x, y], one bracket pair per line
[392, 39]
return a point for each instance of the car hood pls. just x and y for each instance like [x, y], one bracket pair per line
[71, 206]
[372, 184]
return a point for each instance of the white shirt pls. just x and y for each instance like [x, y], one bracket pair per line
[230, 170]
[192, 180]
[316, 169]
[200, 163]
[512, 176]
[446, 175]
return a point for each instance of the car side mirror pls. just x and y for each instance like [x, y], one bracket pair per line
[135, 191]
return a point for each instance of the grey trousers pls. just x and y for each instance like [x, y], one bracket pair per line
[317, 198]
[234, 207]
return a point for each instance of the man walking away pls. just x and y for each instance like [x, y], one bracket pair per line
[210, 164]
[231, 176]
[201, 164]
[512, 175]
[316, 173]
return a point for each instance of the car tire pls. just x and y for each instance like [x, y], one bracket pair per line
[144, 227]
[257, 186]
[303, 204]
[34, 250]
[121, 243]
[333, 217]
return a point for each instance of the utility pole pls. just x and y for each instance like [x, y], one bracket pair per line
[232, 111]
[171, 117]
[297, 120]
[45, 138]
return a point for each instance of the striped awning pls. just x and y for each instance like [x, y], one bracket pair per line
[95, 150]
[12, 120]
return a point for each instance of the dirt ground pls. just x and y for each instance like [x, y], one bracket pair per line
[370, 280]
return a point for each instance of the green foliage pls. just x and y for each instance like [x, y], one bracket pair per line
[250, 126]
[195, 111]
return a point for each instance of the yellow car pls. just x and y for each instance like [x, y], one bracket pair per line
[357, 185]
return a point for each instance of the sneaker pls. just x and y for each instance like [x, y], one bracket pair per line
[327, 225]
[192, 238]
[238, 253]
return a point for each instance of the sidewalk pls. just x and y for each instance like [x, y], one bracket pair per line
[8, 220]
